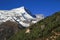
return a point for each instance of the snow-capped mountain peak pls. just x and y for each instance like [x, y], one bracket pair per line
[20, 15]
[20, 9]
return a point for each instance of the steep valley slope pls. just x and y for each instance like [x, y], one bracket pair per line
[46, 29]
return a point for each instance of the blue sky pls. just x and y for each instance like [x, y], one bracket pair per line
[46, 7]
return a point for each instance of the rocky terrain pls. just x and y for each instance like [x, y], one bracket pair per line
[7, 29]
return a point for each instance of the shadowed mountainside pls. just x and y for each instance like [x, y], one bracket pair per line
[7, 29]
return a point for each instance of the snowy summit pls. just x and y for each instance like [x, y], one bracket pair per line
[20, 15]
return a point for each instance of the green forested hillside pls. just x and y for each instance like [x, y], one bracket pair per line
[46, 29]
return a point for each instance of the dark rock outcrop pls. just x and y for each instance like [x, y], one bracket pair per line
[7, 29]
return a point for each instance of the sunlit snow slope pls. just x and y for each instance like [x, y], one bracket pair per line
[20, 15]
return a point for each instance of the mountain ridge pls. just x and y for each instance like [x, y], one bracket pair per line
[46, 29]
[19, 14]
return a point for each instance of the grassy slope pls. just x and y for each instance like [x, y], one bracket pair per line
[42, 30]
